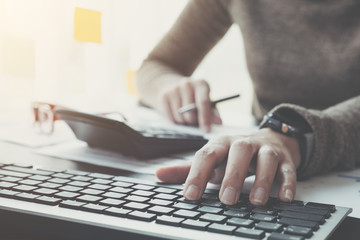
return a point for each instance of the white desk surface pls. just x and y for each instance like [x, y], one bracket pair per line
[339, 188]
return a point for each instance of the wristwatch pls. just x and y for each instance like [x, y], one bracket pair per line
[297, 128]
[270, 121]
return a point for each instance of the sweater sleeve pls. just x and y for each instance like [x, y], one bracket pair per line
[199, 27]
[336, 136]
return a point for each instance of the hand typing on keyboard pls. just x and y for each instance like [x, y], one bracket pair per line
[266, 153]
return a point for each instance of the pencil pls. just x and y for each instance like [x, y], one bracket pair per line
[192, 106]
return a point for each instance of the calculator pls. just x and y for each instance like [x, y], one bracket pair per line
[120, 136]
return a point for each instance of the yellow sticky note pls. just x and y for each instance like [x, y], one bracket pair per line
[130, 82]
[87, 25]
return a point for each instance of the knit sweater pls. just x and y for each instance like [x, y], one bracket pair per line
[302, 56]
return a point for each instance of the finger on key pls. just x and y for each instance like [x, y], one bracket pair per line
[204, 162]
[266, 167]
[287, 173]
[173, 174]
[239, 159]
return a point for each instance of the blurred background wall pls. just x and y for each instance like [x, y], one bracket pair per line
[42, 58]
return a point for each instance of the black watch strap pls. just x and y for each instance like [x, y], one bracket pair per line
[269, 121]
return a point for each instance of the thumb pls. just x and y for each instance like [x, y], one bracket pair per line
[173, 174]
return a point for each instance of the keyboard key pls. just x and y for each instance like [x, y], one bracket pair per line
[186, 213]
[269, 226]
[239, 207]
[329, 207]
[303, 216]
[90, 207]
[113, 195]
[62, 175]
[136, 206]
[11, 179]
[58, 180]
[101, 181]
[194, 224]
[66, 195]
[134, 198]
[281, 236]
[297, 222]
[82, 178]
[30, 182]
[241, 222]
[91, 191]
[249, 233]
[166, 196]
[182, 199]
[7, 185]
[99, 186]
[49, 185]
[183, 205]
[70, 188]
[264, 210]
[160, 210]
[137, 215]
[79, 183]
[48, 200]
[263, 217]
[71, 204]
[167, 220]
[302, 231]
[14, 174]
[210, 196]
[112, 202]
[160, 202]
[45, 191]
[206, 209]
[212, 203]
[180, 193]
[236, 213]
[143, 193]
[118, 212]
[301, 209]
[142, 187]
[212, 218]
[39, 177]
[121, 190]
[26, 196]
[221, 228]
[292, 203]
[89, 198]
[121, 184]
[8, 193]
[24, 188]
[164, 190]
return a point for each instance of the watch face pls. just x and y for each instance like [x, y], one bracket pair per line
[284, 128]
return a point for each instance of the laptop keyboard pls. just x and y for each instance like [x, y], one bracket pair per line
[164, 205]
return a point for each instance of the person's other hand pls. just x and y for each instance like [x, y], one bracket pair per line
[185, 92]
[227, 160]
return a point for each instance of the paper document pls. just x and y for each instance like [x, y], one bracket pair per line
[27, 135]
[79, 151]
